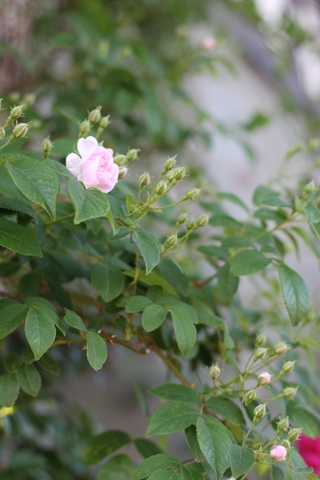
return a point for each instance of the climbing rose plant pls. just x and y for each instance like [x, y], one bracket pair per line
[255, 392]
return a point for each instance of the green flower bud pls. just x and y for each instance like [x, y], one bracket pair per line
[84, 128]
[20, 130]
[120, 160]
[170, 163]
[190, 224]
[47, 147]
[264, 378]
[95, 116]
[286, 444]
[16, 112]
[294, 434]
[161, 188]
[104, 122]
[180, 173]
[181, 219]
[29, 99]
[289, 392]
[287, 368]
[309, 188]
[283, 425]
[261, 340]
[281, 347]
[132, 154]
[203, 220]
[2, 133]
[144, 180]
[249, 397]
[260, 353]
[260, 410]
[191, 194]
[171, 175]
[171, 241]
[122, 172]
[214, 371]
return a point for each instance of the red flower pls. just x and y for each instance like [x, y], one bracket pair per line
[309, 449]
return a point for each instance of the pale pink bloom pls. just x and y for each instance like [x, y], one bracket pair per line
[94, 166]
[278, 453]
[264, 378]
[123, 172]
[208, 43]
[309, 449]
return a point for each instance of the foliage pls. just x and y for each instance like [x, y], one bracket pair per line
[145, 295]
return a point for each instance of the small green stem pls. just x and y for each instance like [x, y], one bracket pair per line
[172, 367]
[48, 224]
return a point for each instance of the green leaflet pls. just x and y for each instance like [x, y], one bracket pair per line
[18, 239]
[96, 350]
[295, 293]
[89, 203]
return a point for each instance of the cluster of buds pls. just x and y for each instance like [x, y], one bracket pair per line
[181, 219]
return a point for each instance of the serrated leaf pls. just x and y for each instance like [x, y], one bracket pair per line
[107, 280]
[72, 319]
[153, 279]
[223, 220]
[96, 350]
[49, 364]
[206, 443]
[188, 472]
[12, 314]
[227, 283]
[153, 316]
[40, 331]
[88, 203]
[29, 379]
[153, 464]
[119, 467]
[305, 420]
[137, 304]
[248, 262]
[241, 459]
[177, 393]
[146, 448]
[37, 181]
[171, 418]
[295, 293]
[313, 214]
[18, 239]
[164, 475]
[236, 241]
[102, 445]
[9, 389]
[149, 248]
[214, 251]
[266, 196]
[225, 408]
[222, 442]
[191, 436]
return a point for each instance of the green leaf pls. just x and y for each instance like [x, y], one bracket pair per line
[153, 464]
[102, 445]
[205, 442]
[88, 203]
[225, 408]
[18, 239]
[164, 475]
[241, 459]
[96, 350]
[12, 314]
[248, 262]
[29, 379]
[37, 181]
[266, 196]
[313, 214]
[177, 393]
[119, 467]
[221, 438]
[146, 448]
[137, 304]
[153, 279]
[171, 418]
[49, 364]
[9, 389]
[295, 293]
[153, 316]
[72, 319]
[236, 241]
[214, 251]
[189, 472]
[148, 247]
[227, 283]
[39, 328]
[222, 220]
[302, 418]
[107, 280]
[191, 436]
[234, 199]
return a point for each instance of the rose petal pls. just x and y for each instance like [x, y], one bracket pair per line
[86, 146]
[73, 164]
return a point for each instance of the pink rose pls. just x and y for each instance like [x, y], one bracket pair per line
[278, 453]
[309, 449]
[208, 43]
[264, 378]
[95, 166]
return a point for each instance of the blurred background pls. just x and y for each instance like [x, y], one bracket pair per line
[227, 85]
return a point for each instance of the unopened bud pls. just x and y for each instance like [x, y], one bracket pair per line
[289, 392]
[122, 172]
[278, 453]
[260, 353]
[47, 147]
[104, 122]
[170, 163]
[261, 340]
[309, 188]
[191, 194]
[281, 347]
[20, 130]
[203, 220]
[286, 444]
[181, 219]
[180, 173]
[214, 371]
[283, 425]
[95, 116]
[171, 175]
[132, 154]
[249, 397]
[294, 434]
[15, 113]
[29, 99]
[171, 241]
[264, 378]
[287, 367]
[120, 160]
[144, 180]
[161, 188]
[260, 410]
[84, 128]
[190, 224]
[2, 133]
